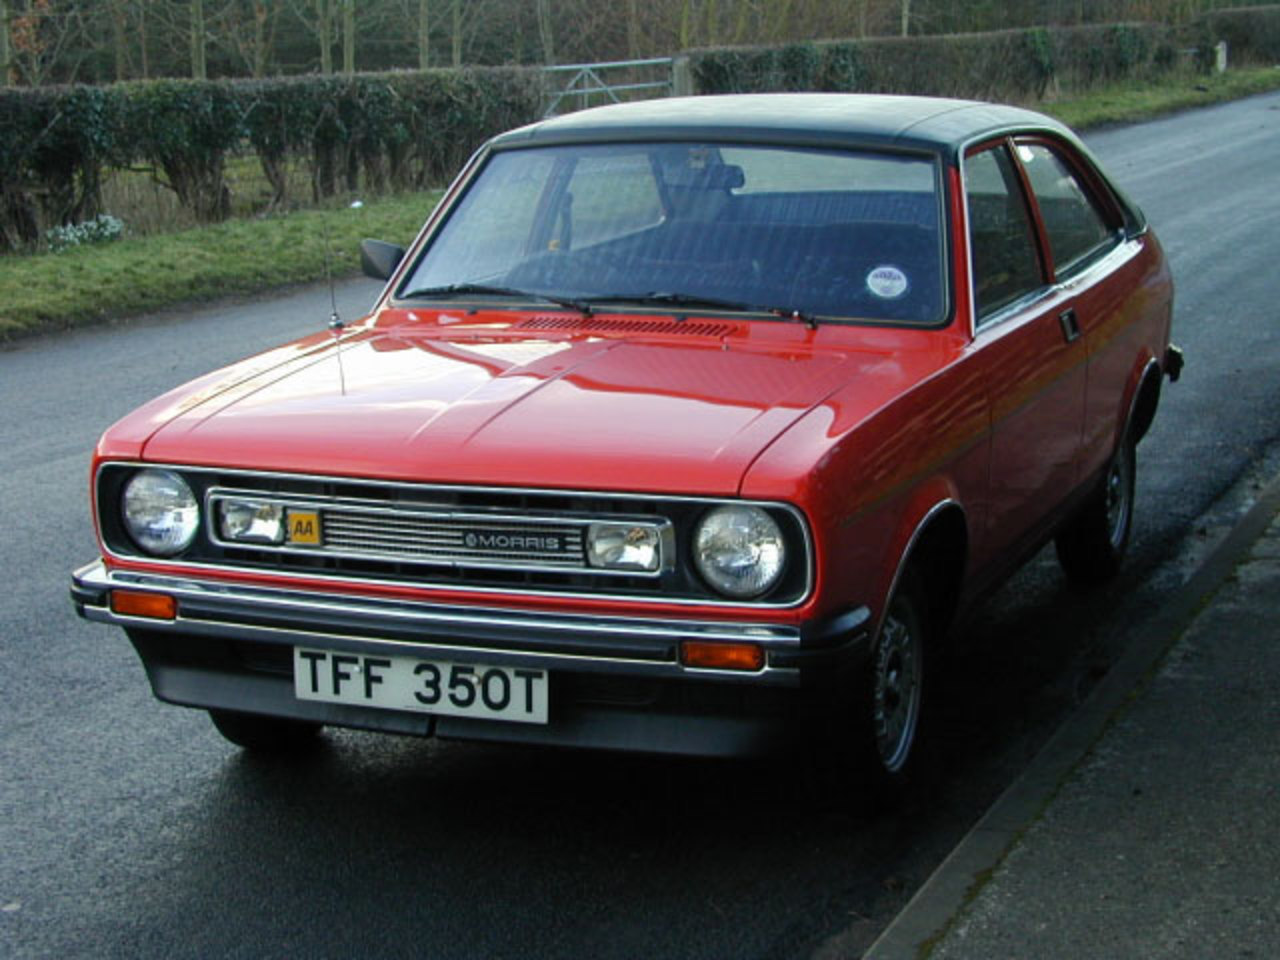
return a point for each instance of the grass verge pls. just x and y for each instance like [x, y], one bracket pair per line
[1129, 103]
[50, 291]
[44, 292]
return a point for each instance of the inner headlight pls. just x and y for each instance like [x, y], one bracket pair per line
[160, 512]
[251, 521]
[739, 550]
[625, 546]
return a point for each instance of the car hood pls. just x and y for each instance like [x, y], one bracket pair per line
[478, 402]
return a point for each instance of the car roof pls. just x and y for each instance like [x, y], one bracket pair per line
[931, 124]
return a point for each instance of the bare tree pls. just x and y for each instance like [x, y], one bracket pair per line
[118, 13]
[424, 34]
[546, 31]
[320, 19]
[6, 58]
[348, 36]
[199, 41]
[246, 30]
[144, 50]
[46, 40]
[455, 33]
[127, 21]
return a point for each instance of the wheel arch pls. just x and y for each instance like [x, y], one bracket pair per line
[936, 554]
[1143, 404]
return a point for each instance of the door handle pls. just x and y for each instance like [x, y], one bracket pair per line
[1070, 325]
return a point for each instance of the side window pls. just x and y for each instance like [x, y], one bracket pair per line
[1073, 222]
[1006, 265]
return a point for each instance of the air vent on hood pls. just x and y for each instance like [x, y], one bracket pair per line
[656, 327]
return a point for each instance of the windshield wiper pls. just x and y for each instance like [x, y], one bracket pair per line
[713, 303]
[582, 306]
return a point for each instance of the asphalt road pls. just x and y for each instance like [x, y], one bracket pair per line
[130, 829]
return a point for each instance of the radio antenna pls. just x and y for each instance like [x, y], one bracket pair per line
[335, 321]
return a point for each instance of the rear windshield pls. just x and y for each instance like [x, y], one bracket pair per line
[827, 233]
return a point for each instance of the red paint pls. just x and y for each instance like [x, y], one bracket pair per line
[864, 429]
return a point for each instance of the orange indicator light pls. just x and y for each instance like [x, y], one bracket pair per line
[721, 656]
[153, 606]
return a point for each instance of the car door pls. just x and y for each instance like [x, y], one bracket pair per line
[1033, 360]
[1088, 256]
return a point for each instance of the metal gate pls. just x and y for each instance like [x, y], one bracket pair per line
[587, 85]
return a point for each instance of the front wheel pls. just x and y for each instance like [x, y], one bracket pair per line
[261, 734]
[897, 686]
[1092, 545]
[873, 747]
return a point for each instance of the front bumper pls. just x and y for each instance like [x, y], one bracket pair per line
[618, 682]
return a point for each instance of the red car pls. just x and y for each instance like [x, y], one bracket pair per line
[685, 426]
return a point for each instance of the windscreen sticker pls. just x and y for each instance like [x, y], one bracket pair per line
[887, 282]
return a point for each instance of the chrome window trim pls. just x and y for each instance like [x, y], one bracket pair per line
[1128, 238]
[393, 294]
[315, 576]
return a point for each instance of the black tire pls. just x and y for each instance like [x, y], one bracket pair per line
[261, 734]
[1092, 545]
[874, 746]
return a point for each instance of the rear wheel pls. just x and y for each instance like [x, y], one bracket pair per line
[264, 734]
[1092, 545]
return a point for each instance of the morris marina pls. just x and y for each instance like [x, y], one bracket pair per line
[688, 426]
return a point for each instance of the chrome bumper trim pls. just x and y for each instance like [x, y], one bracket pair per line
[631, 645]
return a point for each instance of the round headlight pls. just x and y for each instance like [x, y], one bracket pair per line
[739, 550]
[160, 512]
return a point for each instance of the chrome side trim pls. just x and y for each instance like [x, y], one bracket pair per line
[314, 576]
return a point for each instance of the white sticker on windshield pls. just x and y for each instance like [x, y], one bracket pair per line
[887, 283]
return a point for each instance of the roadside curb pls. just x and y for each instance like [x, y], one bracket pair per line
[929, 913]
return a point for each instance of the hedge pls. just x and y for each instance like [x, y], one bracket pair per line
[402, 129]
[1016, 65]
[409, 130]
[1252, 33]
[1001, 65]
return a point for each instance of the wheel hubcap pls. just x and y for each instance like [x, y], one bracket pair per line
[897, 693]
[1118, 496]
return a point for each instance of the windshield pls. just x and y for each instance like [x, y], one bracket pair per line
[814, 232]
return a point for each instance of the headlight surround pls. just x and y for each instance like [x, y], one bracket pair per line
[160, 512]
[739, 550]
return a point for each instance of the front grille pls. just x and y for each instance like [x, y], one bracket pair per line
[417, 533]
[450, 540]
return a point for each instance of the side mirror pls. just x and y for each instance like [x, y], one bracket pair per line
[378, 259]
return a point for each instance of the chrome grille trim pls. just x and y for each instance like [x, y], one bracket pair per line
[436, 536]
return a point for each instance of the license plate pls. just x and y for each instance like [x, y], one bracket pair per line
[426, 686]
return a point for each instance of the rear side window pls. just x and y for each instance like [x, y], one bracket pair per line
[1006, 265]
[1075, 226]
